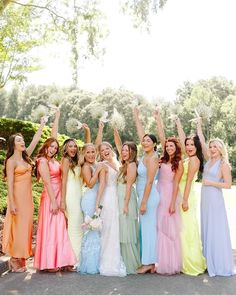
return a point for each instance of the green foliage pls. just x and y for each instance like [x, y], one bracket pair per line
[27, 129]
[18, 37]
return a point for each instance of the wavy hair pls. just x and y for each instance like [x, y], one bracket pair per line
[10, 152]
[84, 150]
[73, 161]
[132, 158]
[221, 148]
[43, 152]
[177, 155]
[106, 143]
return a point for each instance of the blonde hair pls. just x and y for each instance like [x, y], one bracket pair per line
[221, 148]
[108, 145]
[82, 156]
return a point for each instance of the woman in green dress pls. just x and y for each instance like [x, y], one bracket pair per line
[128, 207]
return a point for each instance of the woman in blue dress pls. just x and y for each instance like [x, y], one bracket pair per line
[94, 179]
[148, 198]
[215, 233]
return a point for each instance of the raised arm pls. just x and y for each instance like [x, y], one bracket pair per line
[177, 178]
[152, 165]
[102, 184]
[193, 168]
[45, 175]
[36, 137]
[55, 124]
[10, 167]
[65, 165]
[202, 138]
[99, 137]
[87, 133]
[160, 129]
[138, 124]
[118, 141]
[131, 177]
[181, 133]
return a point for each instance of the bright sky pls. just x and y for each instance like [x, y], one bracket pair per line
[189, 40]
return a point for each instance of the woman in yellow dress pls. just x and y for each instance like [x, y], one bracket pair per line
[193, 260]
[72, 191]
[17, 232]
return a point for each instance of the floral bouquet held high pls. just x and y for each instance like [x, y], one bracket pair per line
[94, 222]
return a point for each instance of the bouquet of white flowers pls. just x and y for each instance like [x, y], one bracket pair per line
[94, 222]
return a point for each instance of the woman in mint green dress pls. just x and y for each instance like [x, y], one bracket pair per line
[128, 207]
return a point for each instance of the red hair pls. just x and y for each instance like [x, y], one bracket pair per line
[177, 155]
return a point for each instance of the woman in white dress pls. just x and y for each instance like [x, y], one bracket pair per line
[111, 263]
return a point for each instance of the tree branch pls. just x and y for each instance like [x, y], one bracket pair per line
[41, 7]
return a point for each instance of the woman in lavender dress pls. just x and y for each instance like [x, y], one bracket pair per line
[215, 233]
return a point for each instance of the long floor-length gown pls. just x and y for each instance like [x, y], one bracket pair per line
[90, 250]
[148, 221]
[73, 210]
[129, 229]
[53, 246]
[111, 263]
[192, 257]
[168, 226]
[215, 233]
[17, 232]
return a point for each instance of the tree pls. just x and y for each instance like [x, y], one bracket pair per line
[12, 104]
[3, 101]
[18, 37]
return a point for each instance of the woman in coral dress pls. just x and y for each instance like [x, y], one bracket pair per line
[17, 232]
[53, 247]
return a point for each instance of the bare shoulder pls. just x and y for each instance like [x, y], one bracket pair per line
[194, 160]
[225, 166]
[132, 166]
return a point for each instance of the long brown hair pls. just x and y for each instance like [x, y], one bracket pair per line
[10, 152]
[73, 161]
[177, 155]
[132, 158]
[43, 152]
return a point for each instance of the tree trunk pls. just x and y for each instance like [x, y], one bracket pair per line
[3, 5]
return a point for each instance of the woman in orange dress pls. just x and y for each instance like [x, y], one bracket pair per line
[17, 232]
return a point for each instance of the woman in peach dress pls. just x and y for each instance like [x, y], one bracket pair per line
[17, 232]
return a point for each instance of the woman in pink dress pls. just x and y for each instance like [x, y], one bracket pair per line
[53, 247]
[168, 213]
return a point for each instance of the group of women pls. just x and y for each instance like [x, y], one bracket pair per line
[149, 218]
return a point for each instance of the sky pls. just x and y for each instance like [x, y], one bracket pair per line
[188, 40]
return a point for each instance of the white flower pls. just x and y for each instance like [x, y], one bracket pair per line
[96, 110]
[104, 117]
[117, 120]
[39, 112]
[56, 100]
[2, 138]
[73, 125]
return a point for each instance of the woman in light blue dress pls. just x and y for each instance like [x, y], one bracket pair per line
[148, 198]
[215, 233]
[94, 179]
